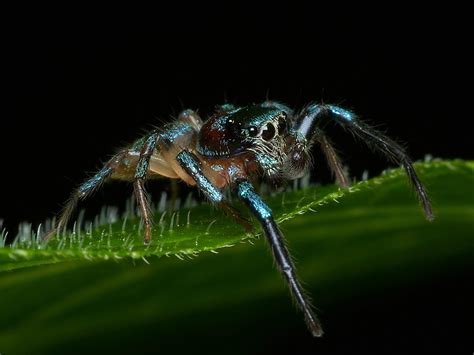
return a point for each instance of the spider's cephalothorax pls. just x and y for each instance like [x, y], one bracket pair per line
[263, 134]
[234, 147]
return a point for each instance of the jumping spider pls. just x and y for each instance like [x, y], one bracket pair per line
[234, 147]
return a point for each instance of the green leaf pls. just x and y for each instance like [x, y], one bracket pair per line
[70, 297]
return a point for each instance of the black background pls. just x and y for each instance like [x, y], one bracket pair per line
[80, 85]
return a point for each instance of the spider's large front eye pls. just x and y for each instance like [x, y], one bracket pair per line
[268, 132]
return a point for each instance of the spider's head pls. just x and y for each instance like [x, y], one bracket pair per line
[264, 132]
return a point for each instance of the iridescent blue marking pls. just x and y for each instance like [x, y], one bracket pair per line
[307, 123]
[95, 181]
[278, 105]
[233, 171]
[191, 165]
[246, 117]
[220, 123]
[227, 107]
[138, 144]
[264, 117]
[347, 115]
[247, 193]
[141, 169]
[144, 161]
[217, 167]
[314, 110]
[266, 161]
[173, 132]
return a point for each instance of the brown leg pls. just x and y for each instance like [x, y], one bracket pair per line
[141, 172]
[231, 211]
[333, 159]
[144, 206]
[174, 193]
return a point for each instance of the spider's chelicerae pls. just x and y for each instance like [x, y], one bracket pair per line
[235, 147]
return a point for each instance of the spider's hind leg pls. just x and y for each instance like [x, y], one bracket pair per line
[113, 166]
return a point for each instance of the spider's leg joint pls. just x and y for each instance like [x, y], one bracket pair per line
[346, 114]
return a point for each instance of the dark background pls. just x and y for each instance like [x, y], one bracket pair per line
[81, 86]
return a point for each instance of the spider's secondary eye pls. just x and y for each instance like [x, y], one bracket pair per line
[253, 131]
[268, 132]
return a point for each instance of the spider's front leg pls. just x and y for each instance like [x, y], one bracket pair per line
[282, 257]
[191, 165]
[306, 125]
